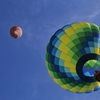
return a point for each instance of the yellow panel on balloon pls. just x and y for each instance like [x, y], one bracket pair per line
[73, 70]
[69, 31]
[97, 51]
[83, 89]
[63, 48]
[74, 89]
[96, 84]
[69, 65]
[65, 57]
[76, 26]
[56, 81]
[65, 39]
[64, 87]
[91, 87]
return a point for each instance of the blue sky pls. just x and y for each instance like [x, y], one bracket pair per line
[23, 73]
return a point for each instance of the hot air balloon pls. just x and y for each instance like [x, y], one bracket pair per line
[73, 57]
[16, 32]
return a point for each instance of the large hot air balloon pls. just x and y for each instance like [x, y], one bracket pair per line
[73, 57]
[16, 32]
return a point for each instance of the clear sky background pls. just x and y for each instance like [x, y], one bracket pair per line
[23, 73]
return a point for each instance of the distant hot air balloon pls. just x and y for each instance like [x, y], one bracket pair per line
[16, 32]
[73, 57]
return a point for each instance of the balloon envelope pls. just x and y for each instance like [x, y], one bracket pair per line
[73, 55]
[16, 32]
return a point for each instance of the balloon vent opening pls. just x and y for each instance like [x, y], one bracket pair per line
[90, 67]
